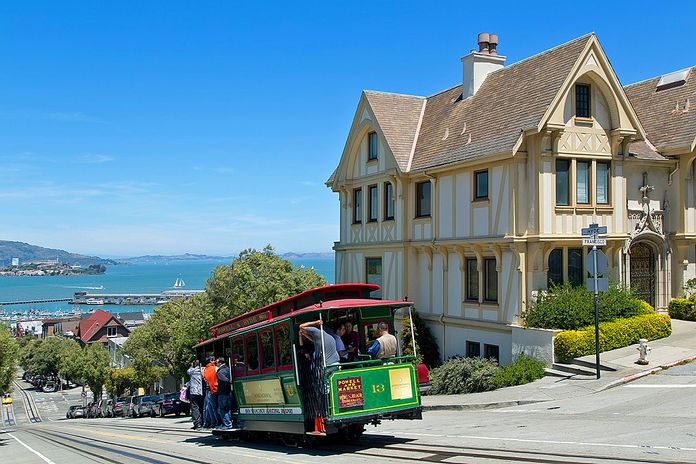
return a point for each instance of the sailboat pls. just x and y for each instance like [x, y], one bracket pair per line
[179, 283]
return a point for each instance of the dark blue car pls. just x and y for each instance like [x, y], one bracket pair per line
[169, 403]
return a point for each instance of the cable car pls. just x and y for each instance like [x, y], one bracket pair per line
[283, 387]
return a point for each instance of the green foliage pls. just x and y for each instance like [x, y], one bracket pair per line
[121, 381]
[426, 345]
[9, 352]
[682, 308]
[255, 279]
[43, 356]
[572, 344]
[462, 375]
[524, 370]
[690, 288]
[70, 364]
[95, 367]
[570, 307]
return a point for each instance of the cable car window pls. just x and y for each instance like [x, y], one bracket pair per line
[267, 352]
[238, 357]
[283, 345]
[252, 354]
[370, 331]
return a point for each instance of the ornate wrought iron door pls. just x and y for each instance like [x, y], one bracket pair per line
[643, 272]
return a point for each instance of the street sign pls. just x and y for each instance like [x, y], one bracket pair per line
[602, 284]
[601, 262]
[84, 394]
[594, 229]
[594, 242]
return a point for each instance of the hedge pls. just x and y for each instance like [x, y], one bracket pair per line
[682, 308]
[572, 344]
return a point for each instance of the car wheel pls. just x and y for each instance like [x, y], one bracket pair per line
[161, 412]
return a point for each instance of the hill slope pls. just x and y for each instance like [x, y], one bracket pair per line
[27, 252]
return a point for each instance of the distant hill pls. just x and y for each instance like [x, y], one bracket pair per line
[27, 252]
[319, 255]
[165, 259]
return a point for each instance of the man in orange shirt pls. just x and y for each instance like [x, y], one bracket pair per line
[210, 405]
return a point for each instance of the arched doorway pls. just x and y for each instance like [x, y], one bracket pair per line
[643, 276]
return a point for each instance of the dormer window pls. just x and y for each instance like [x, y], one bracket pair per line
[372, 146]
[582, 100]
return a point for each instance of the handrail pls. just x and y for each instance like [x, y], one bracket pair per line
[373, 361]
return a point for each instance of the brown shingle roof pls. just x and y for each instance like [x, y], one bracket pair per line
[644, 150]
[398, 117]
[662, 113]
[510, 100]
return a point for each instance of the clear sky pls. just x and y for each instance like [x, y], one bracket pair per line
[136, 127]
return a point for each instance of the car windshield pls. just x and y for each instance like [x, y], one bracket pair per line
[121, 399]
[149, 398]
[170, 396]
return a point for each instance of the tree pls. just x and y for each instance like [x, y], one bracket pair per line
[42, 356]
[95, 367]
[428, 352]
[9, 351]
[71, 364]
[121, 381]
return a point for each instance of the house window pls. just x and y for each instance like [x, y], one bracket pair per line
[582, 191]
[372, 146]
[423, 199]
[602, 187]
[582, 100]
[388, 201]
[111, 331]
[357, 206]
[473, 349]
[373, 268]
[562, 182]
[374, 204]
[491, 280]
[575, 266]
[555, 275]
[481, 185]
[491, 351]
[472, 280]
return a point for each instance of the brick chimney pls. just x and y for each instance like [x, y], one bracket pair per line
[479, 64]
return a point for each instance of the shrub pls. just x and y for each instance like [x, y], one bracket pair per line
[462, 375]
[572, 307]
[523, 370]
[681, 308]
[426, 345]
[616, 334]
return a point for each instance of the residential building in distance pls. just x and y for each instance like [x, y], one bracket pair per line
[470, 201]
[99, 327]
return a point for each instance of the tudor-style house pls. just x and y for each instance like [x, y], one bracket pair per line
[469, 201]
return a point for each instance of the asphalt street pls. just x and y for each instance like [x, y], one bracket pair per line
[647, 421]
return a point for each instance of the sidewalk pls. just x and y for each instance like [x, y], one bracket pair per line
[679, 347]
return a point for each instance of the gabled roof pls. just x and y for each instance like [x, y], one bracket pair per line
[398, 117]
[89, 327]
[669, 121]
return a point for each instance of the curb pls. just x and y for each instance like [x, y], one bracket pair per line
[654, 370]
[479, 406]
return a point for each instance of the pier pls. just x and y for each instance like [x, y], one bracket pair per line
[130, 298]
[50, 300]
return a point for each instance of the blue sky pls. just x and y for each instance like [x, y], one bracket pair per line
[138, 127]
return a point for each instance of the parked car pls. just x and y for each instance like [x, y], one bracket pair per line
[50, 386]
[144, 405]
[107, 408]
[119, 408]
[169, 403]
[75, 411]
[131, 406]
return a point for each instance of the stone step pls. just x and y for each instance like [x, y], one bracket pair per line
[591, 365]
[573, 369]
[550, 372]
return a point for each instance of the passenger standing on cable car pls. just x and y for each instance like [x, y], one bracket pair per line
[316, 393]
[210, 414]
[196, 393]
[224, 393]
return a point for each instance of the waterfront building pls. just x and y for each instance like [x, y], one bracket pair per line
[471, 200]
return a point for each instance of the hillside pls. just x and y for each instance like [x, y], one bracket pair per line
[27, 252]
[165, 259]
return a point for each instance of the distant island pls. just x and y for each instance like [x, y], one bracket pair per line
[25, 253]
[190, 257]
[51, 268]
[316, 255]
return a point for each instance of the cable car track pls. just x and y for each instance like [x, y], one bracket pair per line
[30, 407]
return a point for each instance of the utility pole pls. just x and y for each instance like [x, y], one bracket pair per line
[596, 262]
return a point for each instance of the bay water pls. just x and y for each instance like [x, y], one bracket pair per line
[125, 278]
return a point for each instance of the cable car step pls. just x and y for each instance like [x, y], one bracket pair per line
[226, 431]
[316, 434]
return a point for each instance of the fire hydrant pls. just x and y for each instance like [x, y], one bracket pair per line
[643, 350]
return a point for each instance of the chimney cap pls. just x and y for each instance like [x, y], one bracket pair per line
[483, 44]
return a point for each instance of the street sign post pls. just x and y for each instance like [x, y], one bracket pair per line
[597, 263]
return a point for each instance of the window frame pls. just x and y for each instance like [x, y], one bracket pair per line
[589, 182]
[262, 355]
[372, 142]
[375, 293]
[475, 274]
[470, 344]
[370, 204]
[357, 205]
[487, 355]
[478, 197]
[568, 171]
[559, 253]
[419, 212]
[276, 329]
[256, 371]
[486, 263]
[112, 328]
[582, 266]
[389, 201]
[607, 178]
[243, 373]
[578, 96]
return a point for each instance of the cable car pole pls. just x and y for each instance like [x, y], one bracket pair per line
[323, 352]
